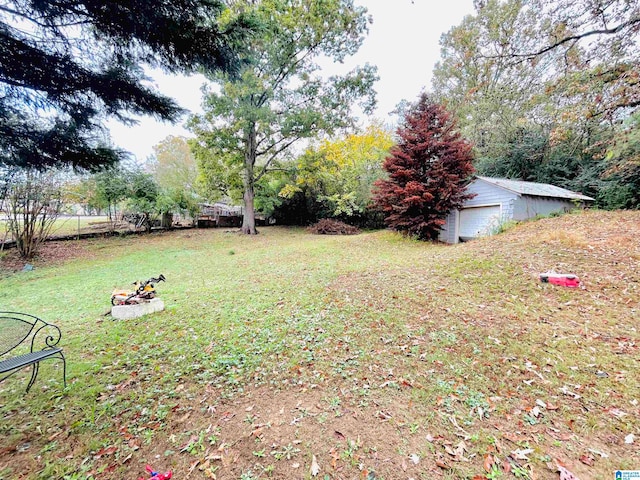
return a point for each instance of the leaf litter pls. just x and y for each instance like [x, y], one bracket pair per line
[543, 331]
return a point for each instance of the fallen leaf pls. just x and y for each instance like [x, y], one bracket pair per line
[226, 416]
[315, 468]
[488, 462]
[598, 452]
[587, 460]
[566, 474]
[52, 437]
[383, 415]
[506, 466]
[295, 465]
[415, 458]
[515, 438]
[106, 451]
[209, 473]
[193, 467]
[616, 412]
[338, 435]
[565, 389]
[629, 439]
[441, 463]
[460, 448]
[522, 454]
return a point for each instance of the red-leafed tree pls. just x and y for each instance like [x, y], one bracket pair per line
[429, 170]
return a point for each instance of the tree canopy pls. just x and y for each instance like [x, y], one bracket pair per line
[252, 121]
[337, 175]
[173, 165]
[67, 64]
[543, 87]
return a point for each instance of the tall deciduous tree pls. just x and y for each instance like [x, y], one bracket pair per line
[279, 98]
[492, 96]
[111, 187]
[65, 64]
[173, 165]
[428, 169]
[595, 44]
[563, 67]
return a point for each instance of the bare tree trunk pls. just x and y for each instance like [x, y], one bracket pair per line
[249, 217]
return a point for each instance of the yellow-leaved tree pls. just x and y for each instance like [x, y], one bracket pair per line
[336, 176]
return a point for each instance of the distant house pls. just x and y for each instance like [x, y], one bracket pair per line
[498, 200]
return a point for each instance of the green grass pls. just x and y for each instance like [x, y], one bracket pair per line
[68, 225]
[383, 339]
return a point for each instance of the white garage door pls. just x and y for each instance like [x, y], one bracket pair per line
[478, 221]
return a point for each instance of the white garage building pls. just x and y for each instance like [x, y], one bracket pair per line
[498, 200]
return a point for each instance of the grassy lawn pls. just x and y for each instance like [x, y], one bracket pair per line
[368, 356]
[65, 225]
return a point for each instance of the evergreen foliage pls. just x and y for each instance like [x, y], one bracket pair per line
[428, 171]
[64, 65]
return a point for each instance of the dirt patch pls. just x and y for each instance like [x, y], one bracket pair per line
[51, 253]
[285, 433]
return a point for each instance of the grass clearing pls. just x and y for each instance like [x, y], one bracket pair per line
[66, 225]
[369, 353]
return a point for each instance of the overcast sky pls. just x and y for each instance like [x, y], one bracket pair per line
[402, 42]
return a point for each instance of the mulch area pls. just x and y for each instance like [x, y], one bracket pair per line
[51, 253]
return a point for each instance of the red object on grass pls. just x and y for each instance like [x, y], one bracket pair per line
[562, 279]
[157, 475]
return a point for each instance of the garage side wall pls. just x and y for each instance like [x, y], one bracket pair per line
[449, 229]
[529, 206]
[486, 194]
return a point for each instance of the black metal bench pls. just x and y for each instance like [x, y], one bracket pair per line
[25, 341]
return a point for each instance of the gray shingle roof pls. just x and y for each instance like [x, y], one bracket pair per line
[537, 189]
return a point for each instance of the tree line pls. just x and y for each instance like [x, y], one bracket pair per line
[536, 90]
[548, 91]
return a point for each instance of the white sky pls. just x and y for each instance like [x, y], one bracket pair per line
[403, 42]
